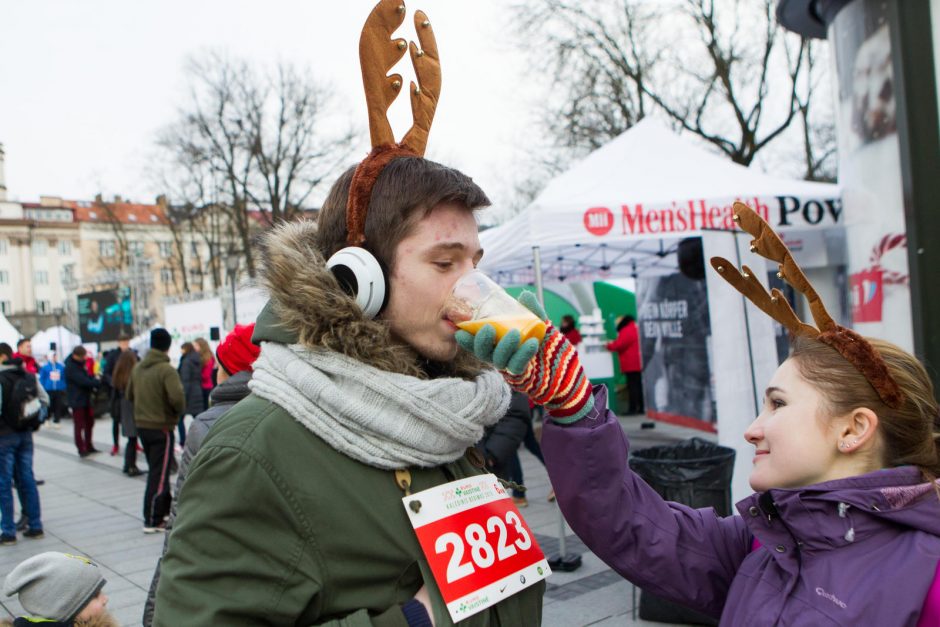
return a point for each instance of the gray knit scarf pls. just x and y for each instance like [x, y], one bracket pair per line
[379, 418]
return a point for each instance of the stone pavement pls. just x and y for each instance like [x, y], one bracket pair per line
[90, 508]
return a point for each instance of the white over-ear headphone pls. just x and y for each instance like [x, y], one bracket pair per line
[361, 276]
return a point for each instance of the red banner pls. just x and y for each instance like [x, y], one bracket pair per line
[867, 295]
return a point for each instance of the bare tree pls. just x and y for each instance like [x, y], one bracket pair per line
[721, 69]
[253, 141]
[819, 132]
[121, 256]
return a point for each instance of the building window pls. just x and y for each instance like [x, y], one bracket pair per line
[40, 247]
[135, 248]
[65, 247]
[6, 307]
[106, 248]
[42, 277]
[4, 277]
[166, 275]
[43, 306]
[166, 250]
[3, 246]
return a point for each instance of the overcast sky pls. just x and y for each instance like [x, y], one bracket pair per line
[85, 86]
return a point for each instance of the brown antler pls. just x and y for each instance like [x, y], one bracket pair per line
[768, 244]
[378, 52]
[852, 346]
[425, 94]
[774, 304]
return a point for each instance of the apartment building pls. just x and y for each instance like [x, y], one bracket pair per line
[55, 249]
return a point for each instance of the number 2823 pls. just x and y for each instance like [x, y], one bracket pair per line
[482, 552]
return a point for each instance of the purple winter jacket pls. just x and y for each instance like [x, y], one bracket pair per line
[856, 551]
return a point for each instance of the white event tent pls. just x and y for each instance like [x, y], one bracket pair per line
[64, 340]
[621, 212]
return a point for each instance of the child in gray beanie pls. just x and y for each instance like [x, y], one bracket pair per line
[59, 589]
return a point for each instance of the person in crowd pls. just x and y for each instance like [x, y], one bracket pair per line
[109, 362]
[80, 388]
[569, 330]
[190, 373]
[123, 408]
[531, 444]
[627, 347]
[52, 379]
[500, 444]
[21, 396]
[845, 478]
[306, 418]
[236, 354]
[295, 498]
[156, 392]
[59, 590]
[208, 369]
[24, 352]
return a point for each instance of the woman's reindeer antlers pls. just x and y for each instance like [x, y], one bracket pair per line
[768, 244]
[852, 346]
[378, 52]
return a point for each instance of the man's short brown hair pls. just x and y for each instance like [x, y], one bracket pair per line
[406, 191]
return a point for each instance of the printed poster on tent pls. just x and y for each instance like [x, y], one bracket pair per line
[674, 325]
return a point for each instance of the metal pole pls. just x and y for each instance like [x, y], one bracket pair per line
[563, 561]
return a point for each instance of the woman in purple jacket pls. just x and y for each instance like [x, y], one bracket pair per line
[844, 525]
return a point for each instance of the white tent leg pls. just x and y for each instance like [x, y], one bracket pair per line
[563, 561]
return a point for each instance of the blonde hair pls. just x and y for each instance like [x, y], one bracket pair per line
[910, 433]
[205, 353]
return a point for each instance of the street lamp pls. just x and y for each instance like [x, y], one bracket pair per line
[231, 265]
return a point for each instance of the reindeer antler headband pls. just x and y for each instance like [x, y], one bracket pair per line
[378, 52]
[852, 346]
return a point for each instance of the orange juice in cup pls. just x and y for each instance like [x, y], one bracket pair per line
[477, 300]
[528, 326]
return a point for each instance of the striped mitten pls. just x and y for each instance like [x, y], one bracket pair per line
[550, 374]
[554, 378]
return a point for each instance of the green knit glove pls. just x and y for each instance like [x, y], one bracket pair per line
[549, 373]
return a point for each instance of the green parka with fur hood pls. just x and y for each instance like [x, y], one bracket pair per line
[274, 526]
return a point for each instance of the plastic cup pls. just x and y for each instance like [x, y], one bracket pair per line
[477, 300]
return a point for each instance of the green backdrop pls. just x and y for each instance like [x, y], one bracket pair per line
[614, 302]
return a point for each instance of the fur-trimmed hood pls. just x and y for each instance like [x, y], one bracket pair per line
[309, 307]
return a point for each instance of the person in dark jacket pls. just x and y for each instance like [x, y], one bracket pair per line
[501, 441]
[123, 410]
[16, 452]
[80, 389]
[190, 369]
[235, 355]
[109, 363]
[157, 395]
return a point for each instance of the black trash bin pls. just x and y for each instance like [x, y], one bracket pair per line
[696, 473]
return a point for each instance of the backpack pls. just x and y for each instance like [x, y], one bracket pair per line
[22, 407]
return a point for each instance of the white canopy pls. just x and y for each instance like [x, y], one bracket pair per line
[8, 332]
[64, 340]
[621, 211]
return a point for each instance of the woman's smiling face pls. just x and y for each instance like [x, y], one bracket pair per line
[796, 443]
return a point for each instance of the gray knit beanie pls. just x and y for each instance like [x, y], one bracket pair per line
[54, 586]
